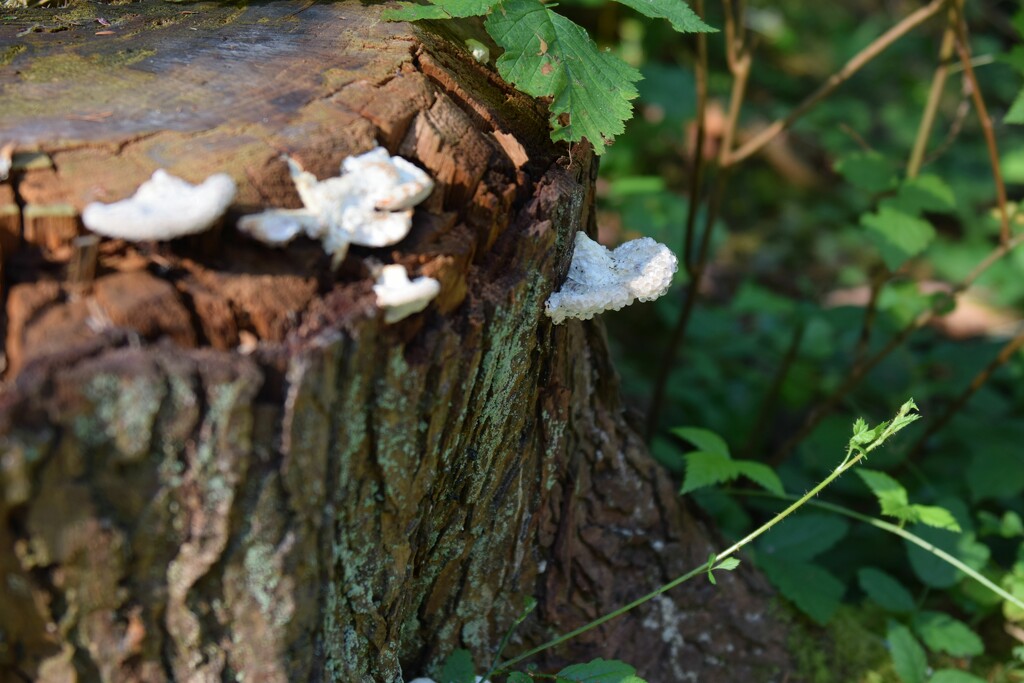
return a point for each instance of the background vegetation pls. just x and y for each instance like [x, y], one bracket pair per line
[826, 293]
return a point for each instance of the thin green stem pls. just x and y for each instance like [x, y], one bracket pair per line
[849, 461]
[899, 531]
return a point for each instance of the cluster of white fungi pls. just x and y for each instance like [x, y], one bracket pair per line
[371, 204]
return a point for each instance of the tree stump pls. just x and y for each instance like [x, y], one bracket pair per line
[219, 463]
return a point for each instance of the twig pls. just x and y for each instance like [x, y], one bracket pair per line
[870, 313]
[924, 129]
[850, 461]
[955, 127]
[696, 177]
[876, 48]
[739, 65]
[962, 47]
[682, 323]
[1005, 354]
[861, 368]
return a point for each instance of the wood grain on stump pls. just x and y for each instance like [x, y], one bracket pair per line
[217, 461]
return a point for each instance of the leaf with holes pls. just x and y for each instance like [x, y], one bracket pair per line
[546, 55]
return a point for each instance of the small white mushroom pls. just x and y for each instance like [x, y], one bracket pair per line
[600, 280]
[369, 204]
[400, 297]
[164, 207]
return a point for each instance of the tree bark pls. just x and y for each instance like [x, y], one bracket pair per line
[218, 462]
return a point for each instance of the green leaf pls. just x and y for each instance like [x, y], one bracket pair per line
[728, 564]
[1016, 112]
[935, 516]
[439, 9]
[885, 590]
[908, 658]
[923, 193]
[815, 591]
[897, 235]
[994, 471]
[868, 171]
[677, 12]
[458, 668]
[804, 536]
[892, 497]
[519, 677]
[704, 440]
[955, 676]
[600, 671]
[760, 474]
[547, 55]
[936, 572]
[942, 633]
[707, 469]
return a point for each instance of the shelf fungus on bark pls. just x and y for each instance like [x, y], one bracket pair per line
[601, 280]
[369, 204]
[163, 208]
[399, 296]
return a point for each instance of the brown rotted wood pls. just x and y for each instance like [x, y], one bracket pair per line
[218, 461]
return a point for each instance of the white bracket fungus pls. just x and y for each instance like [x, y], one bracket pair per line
[369, 204]
[600, 279]
[164, 207]
[400, 297]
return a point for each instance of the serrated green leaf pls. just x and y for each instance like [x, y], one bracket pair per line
[760, 474]
[728, 564]
[547, 55]
[955, 676]
[923, 193]
[863, 436]
[707, 469]
[705, 440]
[458, 668]
[885, 590]
[599, 671]
[439, 9]
[518, 677]
[804, 536]
[908, 658]
[898, 236]
[942, 633]
[935, 516]
[677, 12]
[868, 171]
[815, 591]
[891, 495]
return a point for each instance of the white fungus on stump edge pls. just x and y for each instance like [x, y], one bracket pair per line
[163, 208]
[399, 296]
[601, 280]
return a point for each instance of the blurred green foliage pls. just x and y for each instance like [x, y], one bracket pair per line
[804, 231]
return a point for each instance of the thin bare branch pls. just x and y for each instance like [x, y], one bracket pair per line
[963, 48]
[880, 44]
[697, 177]
[924, 129]
[979, 380]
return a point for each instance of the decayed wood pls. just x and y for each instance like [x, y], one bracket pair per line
[219, 462]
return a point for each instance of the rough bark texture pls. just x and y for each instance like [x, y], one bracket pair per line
[217, 462]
